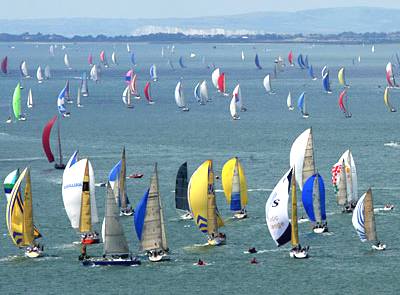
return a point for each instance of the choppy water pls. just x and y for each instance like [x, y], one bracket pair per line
[338, 262]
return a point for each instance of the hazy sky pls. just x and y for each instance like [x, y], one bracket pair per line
[165, 8]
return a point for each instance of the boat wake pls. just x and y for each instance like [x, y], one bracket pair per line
[22, 159]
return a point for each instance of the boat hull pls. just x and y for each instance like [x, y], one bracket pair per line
[111, 262]
[298, 254]
[216, 241]
[379, 247]
[33, 254]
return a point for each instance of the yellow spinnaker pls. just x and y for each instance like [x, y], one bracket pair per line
[341, 77]
[386, 100]
[227, 180]
[198, 196]
[15, 214]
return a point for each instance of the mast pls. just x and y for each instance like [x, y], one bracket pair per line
[122, 180]
[85, 221]
[59, 142]
[27, 226]
[294, 229]
[212, 226]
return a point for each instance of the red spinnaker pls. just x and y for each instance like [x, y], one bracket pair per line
[221, 83]
[290, 57]
[147, 91]
[46, 139]
[90, 59]
[4, 65]
[341, 101]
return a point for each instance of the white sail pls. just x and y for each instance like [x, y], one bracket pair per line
[289, 102]
[51, 50]
[24, 69]
[351, 175]
[94, 75]
[297, 155]
[126, 96]
[29, 101]
[242, 55]
[72, 190]
[233, 108]
[237, 92]
[128, 48]
[66, 61]
[114, 58]
[214, 77]
[267, 84]
[204, 92]
[47, 72]
[179, 96]
[276, 211]
[39, 74]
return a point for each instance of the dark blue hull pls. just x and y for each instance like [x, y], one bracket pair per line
[111, 262]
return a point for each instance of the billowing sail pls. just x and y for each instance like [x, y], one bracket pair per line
[147, 93]
[233, 108]
[276, 211]
[24, 69]
[61, 102]
[181, 62]
[204, 92]
[302, 157]
[114, 239]
[153, 72]
[84, 89]
[94, 74]
[290, 58]
[257, 62]
[364, 219]
[242, 55]
[29, 101]
[311, 72]
[343, 103]
[267, 84]
[19, 214]
[289, 102]
[181, 187]
[4, 65]
[149, 223]
[300, 61]
[16, 102]
[39, 74]
[386, 100]
[103, 58]
[46, 139]
[9, 183]
[326, 83]
[179, 96]
[72, 187]
[201, 197]
[234, 184]
[90, 59]
[342, 78]
[214, 77]
[313, 197]
[66, 61]
[221, 83]
[301, 105]
[390, 75]
[47, 72]
[114, 58]
[237, 93]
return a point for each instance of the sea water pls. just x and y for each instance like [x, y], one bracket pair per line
[161, 133]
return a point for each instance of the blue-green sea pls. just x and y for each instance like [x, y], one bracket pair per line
[338, 263]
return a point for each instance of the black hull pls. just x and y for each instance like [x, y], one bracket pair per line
[59, 166]
[111, 262]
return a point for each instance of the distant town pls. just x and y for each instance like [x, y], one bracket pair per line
[342, 38]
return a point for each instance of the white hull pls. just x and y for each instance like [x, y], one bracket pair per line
[158, 258]
[33, 253]
[186, 216]
[216, 241]
[299, 254]
[379, 247]
[240, 215]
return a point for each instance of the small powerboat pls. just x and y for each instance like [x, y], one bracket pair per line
[135, 175]
[299, 252]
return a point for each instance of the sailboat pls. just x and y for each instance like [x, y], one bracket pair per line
[29, 101]
[343, 103]
[326, 83]
[114, 58]
[289, 102]
[237, 93]
[61, 101]
[181, 196]
[390, 76]
[9, 183]
[90, 59]
[94, 73]
[78, 97]
[300, 61]
[126, 97]
[103, 59]
[181, 64]
[344, 180]
[203, 206]
[196, 93]
[311, 73]
[257, 62]
[147, 93]
[153, 73]
[234, 184]
[133, 87]
[301, 105]
[290, 58]
[149, 222]
[313, 197]
[46, 143]
[128, 47]
[373, 49]
[117, 180]
[203, 91]
[242, 55]
[364, 221]
[47, 72]
[276, 212]
[267, 84]
[115, 245]
[16, 103]
[214, 77]
[19, 216]
[39, 75]
[222, 85]
[78, 192]
[84, 89]
[180, 97]
[387, 102]
[233, 108]
[342, 78]
[4, 65]
[66, 62]
[24, 70]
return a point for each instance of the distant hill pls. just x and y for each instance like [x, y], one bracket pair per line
[321, 21]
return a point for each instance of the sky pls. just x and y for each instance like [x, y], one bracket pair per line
[165, 8]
